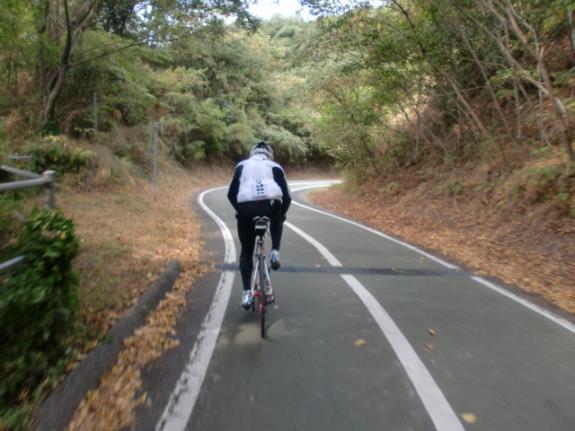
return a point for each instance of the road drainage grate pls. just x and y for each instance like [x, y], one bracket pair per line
[357, 271]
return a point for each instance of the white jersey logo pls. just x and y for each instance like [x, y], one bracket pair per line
[259, 190]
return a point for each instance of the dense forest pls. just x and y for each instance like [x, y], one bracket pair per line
[448, 80]
[392, 93]
[221, 86]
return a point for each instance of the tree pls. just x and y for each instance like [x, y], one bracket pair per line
[75, 24]
[150, 22]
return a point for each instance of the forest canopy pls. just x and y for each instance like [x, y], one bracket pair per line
[223, 85]
[383, 84]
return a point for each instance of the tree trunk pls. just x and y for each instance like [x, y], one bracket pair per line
[571, 32]
[518, 116]
[560, 110]
[445, 75]
[54, 29]
[42, 66]
[75, 25]
[57, 80]
[434, 139]
[514, 21]
[491, 93]
[460, 28]
[541, 122]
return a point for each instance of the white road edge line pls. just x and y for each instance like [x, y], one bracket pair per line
[437, 406]
[181, 403]
[569, 326]
[378, 233]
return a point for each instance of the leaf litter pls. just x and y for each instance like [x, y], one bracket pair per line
[112, 405]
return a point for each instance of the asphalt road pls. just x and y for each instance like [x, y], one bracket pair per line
[355, 351]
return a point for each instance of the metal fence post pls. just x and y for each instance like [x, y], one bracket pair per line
[47, 180]
[50, 200]
[155, 126]
[95, 110]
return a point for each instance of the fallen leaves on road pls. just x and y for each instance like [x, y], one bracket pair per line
[429, 347]
[360, 342]
[112, 405]
[431, 332]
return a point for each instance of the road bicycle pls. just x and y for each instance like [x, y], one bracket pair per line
[261, 285]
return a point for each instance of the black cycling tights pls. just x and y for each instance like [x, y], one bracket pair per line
[246, 231]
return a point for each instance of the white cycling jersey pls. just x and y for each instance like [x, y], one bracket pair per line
[257, 180]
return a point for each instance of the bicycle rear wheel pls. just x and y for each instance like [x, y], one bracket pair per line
[262, 315]
[262, 297]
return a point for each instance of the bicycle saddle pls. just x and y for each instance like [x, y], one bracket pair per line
[261, 223]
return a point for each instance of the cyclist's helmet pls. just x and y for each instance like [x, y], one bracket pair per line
[262, 148]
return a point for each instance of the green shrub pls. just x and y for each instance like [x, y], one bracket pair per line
[544, 183]
[80, 124]
[54, 154]
[8, 224]
[38, 303]
[456, 188]
[287, 147]
[391, 187]
[195, 150]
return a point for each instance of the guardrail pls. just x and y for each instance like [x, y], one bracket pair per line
[46, 180]
[18, 157]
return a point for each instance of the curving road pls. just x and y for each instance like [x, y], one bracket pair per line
[412, 344]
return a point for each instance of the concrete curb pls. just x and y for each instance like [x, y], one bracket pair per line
[58, 409]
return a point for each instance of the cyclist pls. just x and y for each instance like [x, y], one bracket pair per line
[258, 188]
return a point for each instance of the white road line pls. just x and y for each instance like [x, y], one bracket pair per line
[533, 307]
[505, 292]
[437, 406]
[316, 185]
[181, 404]
[381, 234]
[298, 183]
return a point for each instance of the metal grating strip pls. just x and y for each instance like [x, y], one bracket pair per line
[350, 270]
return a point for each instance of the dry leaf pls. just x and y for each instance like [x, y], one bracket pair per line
[470, 418]
[429, 347]
[431, 332]
[360, 342]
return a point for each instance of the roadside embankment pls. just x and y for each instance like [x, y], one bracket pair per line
[127, 238]
[528, 246]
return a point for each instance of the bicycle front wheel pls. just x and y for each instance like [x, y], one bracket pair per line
[262, 315]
